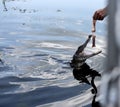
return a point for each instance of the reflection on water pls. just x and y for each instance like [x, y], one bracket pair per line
[36, 46]
[95, 103]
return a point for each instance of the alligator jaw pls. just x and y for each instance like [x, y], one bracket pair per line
[79, 60]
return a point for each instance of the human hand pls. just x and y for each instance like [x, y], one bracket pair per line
[100, 14]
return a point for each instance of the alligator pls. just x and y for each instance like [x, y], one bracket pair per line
[80, 56]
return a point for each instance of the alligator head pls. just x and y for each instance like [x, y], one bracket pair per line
[80, 56]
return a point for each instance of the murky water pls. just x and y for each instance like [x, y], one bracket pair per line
[37, 41]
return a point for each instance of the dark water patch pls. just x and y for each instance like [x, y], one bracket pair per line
[5, 68]
[40, 96]
[36, 55]
[57, 59]
[19, 79]
[6, 87]
[10, 84]
[5, 47]
[62, 72]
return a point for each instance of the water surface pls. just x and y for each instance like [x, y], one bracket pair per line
[37, 41]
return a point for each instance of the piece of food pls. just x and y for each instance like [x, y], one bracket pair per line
[93, 40]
